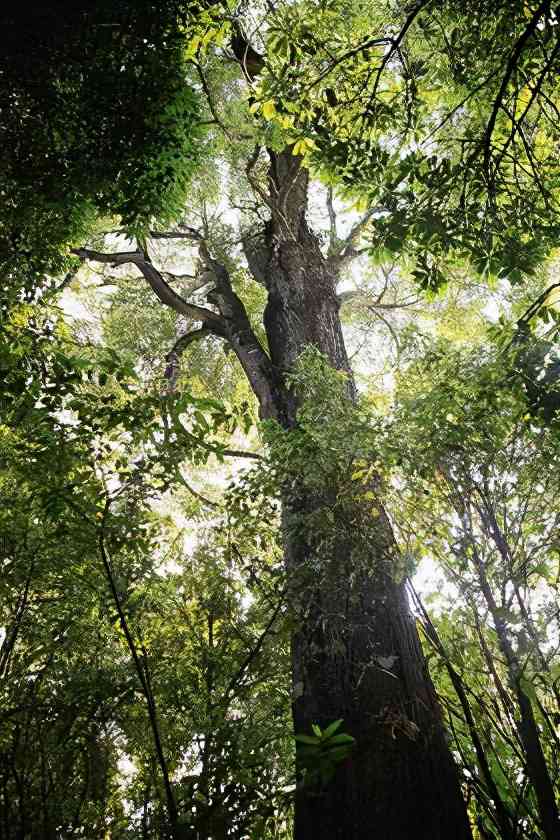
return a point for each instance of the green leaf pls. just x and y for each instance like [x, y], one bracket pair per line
[338, 753]
[342, 738]
[332, 727]
[268, 109]
[307, 739]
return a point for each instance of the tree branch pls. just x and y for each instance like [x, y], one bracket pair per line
[194, 492]
[253, 653]
[238, 331]
[333, 234]
[510, 68]
[356, 294]
[396, 42]
[231, 135]
[357, 229]
[251, 62]
[186, 232]
[140, 667]
[155, 279]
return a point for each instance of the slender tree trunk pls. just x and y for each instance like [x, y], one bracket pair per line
[527, 728]
[498, 812]
[356, 654]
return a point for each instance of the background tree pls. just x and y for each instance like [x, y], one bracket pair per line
[98, 117]
[107, 654]
[482, 501]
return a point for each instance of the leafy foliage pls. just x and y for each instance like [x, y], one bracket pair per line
[319, 754]
[443, 115]
[145, 609]
[475, 491]
[97, 118]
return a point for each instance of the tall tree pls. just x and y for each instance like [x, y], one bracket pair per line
[355, 650]
[490, 517]
[356, 654]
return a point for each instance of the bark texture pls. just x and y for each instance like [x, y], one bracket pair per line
[356, 653]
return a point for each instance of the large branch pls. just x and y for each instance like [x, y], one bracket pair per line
[239, 332]
[163, 290]
[232, 323]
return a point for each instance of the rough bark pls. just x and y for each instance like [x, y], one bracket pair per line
[356, 654]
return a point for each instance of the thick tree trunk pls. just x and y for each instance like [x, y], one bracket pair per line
[356, 653]
[356, 656]
[355, 650]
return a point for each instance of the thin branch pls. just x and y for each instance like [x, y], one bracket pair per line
[389, 326]
[333, 235]
[232, 136]
[396, 42]
[356, 230]
[510, 68]
[354, 294]
[251, 178]
[536, 305]
[252, 653]
[457, 107]
[210, 101]
[251, 62]
[239, 453]
[67, 279]
[373, 42]
[186, 232]
[140, 668]
[194, 492]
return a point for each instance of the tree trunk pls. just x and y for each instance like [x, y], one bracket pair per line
[527, 728]
[355, 649]
[356, 654]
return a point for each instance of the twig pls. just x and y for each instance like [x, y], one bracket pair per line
[511, 65]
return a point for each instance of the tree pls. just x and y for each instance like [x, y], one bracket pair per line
[348, 600]
[482, 499]
[101, 657]
[356, 655]
[97, 118]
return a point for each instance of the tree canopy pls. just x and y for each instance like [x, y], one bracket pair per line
[443, 114]
[97, 117]
[279, 450]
